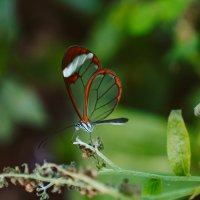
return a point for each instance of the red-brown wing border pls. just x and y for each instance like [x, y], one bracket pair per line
[87, 90]
[70, 54]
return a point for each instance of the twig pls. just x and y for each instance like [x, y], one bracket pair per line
[97, 152]
[42, 177]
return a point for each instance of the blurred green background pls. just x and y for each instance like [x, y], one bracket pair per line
[152, 45]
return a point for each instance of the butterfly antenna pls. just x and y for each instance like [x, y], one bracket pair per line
[44, 141]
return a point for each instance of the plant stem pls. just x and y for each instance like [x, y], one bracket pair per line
[105, 171]
[81, 177]
[77, 180]
[95, 150]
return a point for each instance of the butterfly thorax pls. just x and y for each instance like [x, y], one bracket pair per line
[86, 126]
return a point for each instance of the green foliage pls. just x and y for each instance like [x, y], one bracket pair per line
[153, 187]
[152, 13]
[8, 32]
[18, 104]
[134, 18]
[8, 20]
[137, 147]
[197, 110]
[154, 48]
[178, 144]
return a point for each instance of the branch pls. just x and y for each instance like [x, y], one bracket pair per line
[50, 175]
[95, 150]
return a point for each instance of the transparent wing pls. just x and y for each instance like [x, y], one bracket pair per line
[103, 93]
[78, 66]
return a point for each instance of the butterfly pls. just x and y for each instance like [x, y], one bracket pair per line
[94, 92]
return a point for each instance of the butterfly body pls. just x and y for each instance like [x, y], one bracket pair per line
[86, 126]
[94, 91]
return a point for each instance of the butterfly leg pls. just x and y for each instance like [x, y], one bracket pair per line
[90, 140]
[75, 135]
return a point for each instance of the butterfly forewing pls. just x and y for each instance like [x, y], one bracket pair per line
[78, 66]
[87, 70]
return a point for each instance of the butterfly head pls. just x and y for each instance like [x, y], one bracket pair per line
[86, 126]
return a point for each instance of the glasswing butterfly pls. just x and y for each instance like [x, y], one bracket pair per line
[100, 88]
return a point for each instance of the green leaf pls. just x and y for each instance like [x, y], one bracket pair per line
[195, 194]
[6, 125]
[18, 104]
[22, 104]
[8, 20]
[153, 186]
[145, 16]
[197, 110]
[178, 144]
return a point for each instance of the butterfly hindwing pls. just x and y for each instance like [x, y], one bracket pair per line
[103, 93]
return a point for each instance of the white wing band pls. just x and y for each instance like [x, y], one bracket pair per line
[75, 64]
